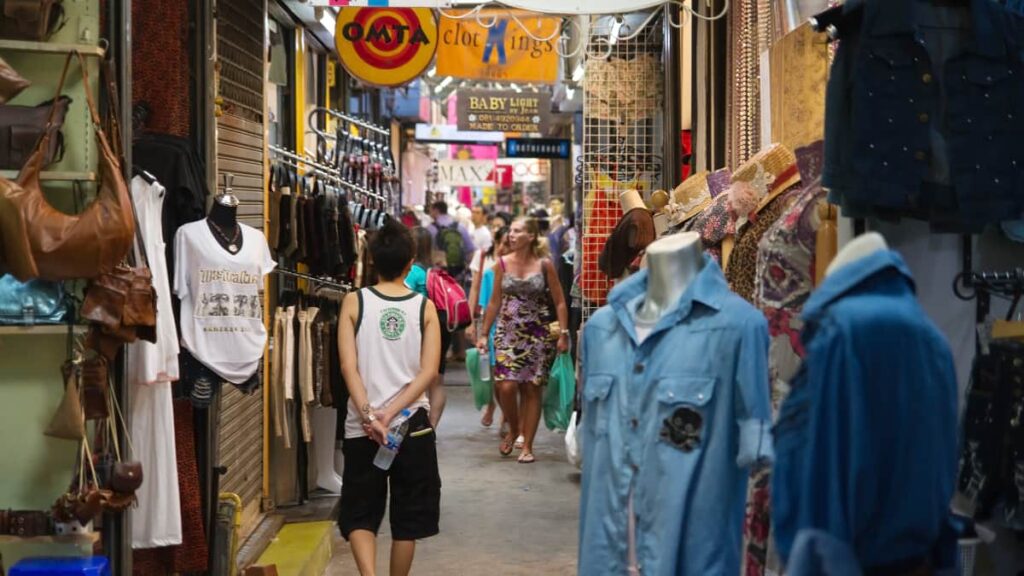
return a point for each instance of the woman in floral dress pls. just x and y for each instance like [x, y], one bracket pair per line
[526, 336]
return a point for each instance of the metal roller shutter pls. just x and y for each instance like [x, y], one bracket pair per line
[240, 151]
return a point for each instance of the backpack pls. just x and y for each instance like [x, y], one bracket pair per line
[450, 241]
[450, 299]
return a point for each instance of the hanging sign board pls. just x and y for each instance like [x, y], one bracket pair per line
[386, 46]
[559, 7]
[552, 148]
[465, 172]
[503, 111]
[383, 3]
[503, 52]
[450, 134]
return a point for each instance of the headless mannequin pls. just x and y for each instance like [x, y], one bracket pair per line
[631, 200]
[673, 263]
[860, 247]
[325, 421]
[223, 222]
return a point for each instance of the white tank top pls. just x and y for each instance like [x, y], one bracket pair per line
[389, 338]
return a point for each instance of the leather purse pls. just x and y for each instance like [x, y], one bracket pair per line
[25, 523]
[11, 83]
[107, 296]
[68, 422]
[30, 19]
[32, 302]
[95, 382]
[41, 241]
[23, 127]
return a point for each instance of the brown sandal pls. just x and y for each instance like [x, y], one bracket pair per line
[527, 458]
[507, 445]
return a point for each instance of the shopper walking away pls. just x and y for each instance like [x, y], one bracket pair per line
[483, 286]
[389, 342]
[452, 239]
[526, 337]
[416, 280]
[482, 234]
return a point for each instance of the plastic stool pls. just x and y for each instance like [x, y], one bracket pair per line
[92, 566]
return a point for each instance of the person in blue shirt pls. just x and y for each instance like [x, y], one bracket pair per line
[416, 280]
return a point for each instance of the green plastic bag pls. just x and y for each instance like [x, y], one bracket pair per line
[483, 390]
[560, 394]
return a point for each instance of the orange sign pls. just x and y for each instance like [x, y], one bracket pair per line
[386, 46]
[502, 52]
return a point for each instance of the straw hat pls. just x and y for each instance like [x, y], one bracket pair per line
[765, 169]
[689, 198]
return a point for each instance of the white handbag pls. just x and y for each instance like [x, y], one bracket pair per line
[573, 447]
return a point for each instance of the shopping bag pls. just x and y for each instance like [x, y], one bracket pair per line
[560, 393]
[483, 390]
[573, 447]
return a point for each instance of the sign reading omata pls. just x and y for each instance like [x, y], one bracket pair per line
[386, 46]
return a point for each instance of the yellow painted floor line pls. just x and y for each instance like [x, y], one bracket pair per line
[302, 549]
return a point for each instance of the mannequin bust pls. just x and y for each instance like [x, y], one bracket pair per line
[223, 222]
[631, 200]
[673, 262]
[860, 247]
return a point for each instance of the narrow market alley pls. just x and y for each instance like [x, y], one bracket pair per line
[497, 517]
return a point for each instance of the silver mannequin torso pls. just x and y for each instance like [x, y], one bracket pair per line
[673, 262]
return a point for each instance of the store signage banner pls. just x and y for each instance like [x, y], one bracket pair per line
[386, 46]
[559, 7]
[450, 134]
[503, 52]
[504, 111]
[553, 148]
[527, 169]
[465, 172]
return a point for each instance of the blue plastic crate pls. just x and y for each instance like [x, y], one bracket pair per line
[92, 566]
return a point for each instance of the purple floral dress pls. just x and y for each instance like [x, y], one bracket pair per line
[523, 343]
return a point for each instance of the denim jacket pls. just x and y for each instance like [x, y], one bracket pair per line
[866, 441]
[927, 124]
[677, 421]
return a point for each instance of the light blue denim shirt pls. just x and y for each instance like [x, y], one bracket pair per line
[678, 420]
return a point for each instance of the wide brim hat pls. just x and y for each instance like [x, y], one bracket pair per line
[690, 198]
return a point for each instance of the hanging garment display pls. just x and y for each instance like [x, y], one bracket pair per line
[924, 113]
[221, 307]
[874, 363]
[717, 220]
[676, 419]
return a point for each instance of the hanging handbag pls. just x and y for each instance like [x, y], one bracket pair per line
[95, 382]
[32, 302]
[30, 19]
[126, 476]
[41, 241]
[23, 127]
[68, 422]
[11, 83]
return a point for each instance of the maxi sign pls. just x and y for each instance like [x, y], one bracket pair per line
[503, 51]
[465, 172]
[503, 111]
[386, 46]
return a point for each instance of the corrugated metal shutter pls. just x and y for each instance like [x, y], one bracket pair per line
[240, 38]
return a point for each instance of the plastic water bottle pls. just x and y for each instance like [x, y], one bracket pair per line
[484, 370]
[387, 452]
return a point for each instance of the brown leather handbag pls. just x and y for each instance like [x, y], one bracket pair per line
[11, 83]
[30, 19]
[21, 127]
[41, 241]
[68, 421]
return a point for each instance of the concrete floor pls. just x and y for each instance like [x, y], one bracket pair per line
[497, 517]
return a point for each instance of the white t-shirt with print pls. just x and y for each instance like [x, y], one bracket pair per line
[221, 307]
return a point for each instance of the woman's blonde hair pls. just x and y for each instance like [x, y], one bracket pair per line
[539, 246]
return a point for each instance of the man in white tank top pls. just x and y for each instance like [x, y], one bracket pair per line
[390, 343]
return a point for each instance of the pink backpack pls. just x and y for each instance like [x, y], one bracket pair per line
[449, 298]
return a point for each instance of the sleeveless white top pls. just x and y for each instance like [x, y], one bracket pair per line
[389, 338]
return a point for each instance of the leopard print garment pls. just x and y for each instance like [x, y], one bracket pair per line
[742, 270]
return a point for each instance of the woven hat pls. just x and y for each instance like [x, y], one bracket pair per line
[689, 198]
[766, 168]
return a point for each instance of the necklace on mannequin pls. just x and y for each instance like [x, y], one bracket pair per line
[232, 242]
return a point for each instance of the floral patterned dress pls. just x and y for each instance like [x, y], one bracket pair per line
[523, 343]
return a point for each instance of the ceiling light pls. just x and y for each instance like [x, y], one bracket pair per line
[432, 72]
[444, 84]
[570, 93]
[516, 88]
[578, 73]
[328, 20]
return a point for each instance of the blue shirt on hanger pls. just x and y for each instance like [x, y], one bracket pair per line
[866, 441]
[677, 420]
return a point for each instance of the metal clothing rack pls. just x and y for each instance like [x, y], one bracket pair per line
[346, 118]
[318, 281]
[985, 284]
[326, 173]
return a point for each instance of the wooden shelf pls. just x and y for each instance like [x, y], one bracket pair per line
[80, 539]
[51, 47]
[51, 176]
[40, 330]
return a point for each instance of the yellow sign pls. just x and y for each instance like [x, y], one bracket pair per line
[386, 46]
[502, 52]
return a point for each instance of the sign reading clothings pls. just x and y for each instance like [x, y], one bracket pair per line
[553, 148]
[465, 172]
[386, 46]
[503, 111]
[502, 52]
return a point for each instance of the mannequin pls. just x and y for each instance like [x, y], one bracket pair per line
[325, 422]
[673, 261]
[631, 200]
[860, 247]
[223, 219]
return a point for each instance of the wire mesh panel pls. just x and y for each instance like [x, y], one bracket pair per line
[622, 135]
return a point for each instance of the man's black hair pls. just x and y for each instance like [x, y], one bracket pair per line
[392, 250]
[441, 206]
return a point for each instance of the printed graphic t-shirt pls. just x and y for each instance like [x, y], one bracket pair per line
[221, 308]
